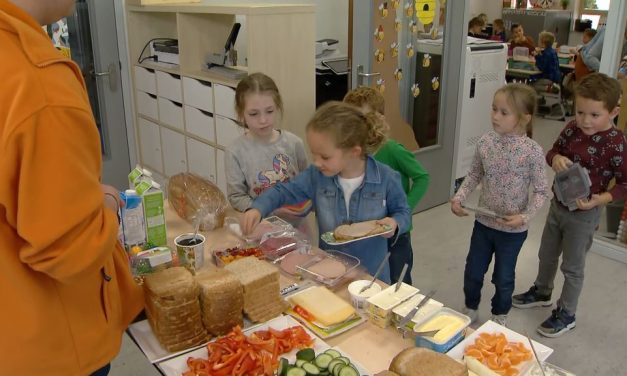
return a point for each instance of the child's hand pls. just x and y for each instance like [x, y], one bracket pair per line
[250, 220]
[560, 163]
[389, 221]
[456, 208]
[513, 221]
[593, 202]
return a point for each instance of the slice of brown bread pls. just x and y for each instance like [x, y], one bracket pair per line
[417, 361]
[357, 230]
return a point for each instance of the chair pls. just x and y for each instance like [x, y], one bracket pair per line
[550, 101]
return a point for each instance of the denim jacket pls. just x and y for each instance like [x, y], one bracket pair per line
[380, 195]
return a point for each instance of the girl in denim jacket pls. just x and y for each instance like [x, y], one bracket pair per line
[345, 183]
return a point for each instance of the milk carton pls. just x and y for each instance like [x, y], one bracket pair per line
[132, 220]
[154, 215]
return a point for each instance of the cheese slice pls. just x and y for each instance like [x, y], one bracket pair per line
[477, 367]
[325, 306]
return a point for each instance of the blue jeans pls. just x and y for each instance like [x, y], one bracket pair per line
[104, 371]
[505, 246]
[401, 253]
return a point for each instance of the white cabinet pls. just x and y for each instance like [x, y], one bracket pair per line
[147, 104]
[174, 156]
[200, 123]
[145, 80]
[150, 147]
[169, 86]
[227, 130]
[201, 159]
[171, 113]
[197, 93]
[221, 173]
[225, 101]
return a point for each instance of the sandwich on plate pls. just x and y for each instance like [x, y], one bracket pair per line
[358, 230]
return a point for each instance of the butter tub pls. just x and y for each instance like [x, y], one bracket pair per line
[424, 313]
[452, 326]
[380, 306]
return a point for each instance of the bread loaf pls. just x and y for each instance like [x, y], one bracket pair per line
[417, 361]
[222, 301]
[192, 196]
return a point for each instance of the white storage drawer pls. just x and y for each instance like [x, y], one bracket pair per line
[201, 159]
[221, 172]
[227, 131]
[150, 145]
[171, 113]
[169, 86]
[145, 80]
[224, 101]
[198, 94]
[174, 156]
[147, 104]
[200, 123]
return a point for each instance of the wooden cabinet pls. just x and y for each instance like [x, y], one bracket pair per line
[185, 116]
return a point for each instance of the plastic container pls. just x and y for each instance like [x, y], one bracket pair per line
[266, 228]
[380, 306]
[572, 184]
[549, 370]
[423, 314]
[328, 267]
[359, 299]
[442, 345]
[227, 256]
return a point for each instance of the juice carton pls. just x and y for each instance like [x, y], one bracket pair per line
[154, 215]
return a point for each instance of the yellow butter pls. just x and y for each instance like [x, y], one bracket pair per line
[449, 325]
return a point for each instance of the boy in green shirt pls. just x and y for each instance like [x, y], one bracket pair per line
[414, 178]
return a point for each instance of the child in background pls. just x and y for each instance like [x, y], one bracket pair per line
[507, 163]
[414, 178]
[499, 31]
[519, 39]
[592, 141]
[345, 183]
[547, 60]
[475, 25]
[264, 155]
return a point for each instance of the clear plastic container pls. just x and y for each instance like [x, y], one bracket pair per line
[329, 267]
[442, 345]
[572, 184]
[549, 370]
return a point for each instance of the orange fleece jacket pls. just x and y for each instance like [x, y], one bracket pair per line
[66, 291]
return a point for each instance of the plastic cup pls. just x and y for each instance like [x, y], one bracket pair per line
[359, 299]
[190, 249]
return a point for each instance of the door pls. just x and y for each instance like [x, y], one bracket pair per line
[413, 50]
[89, 37]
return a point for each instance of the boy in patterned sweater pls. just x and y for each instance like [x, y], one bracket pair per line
[592, 141]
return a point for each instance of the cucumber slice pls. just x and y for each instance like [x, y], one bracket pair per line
[295, 371]
[324, 372]
[348, 371]
[333, 353]
[333, 363]
[323, 360]
[283, 366]
[300, 362]
[311, 369]
[344, 359]
[307, 354]
[337, 368]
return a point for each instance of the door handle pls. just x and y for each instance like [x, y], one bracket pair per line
[110, 73]
[361, 75]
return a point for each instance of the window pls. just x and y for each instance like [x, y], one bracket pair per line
[595, 10]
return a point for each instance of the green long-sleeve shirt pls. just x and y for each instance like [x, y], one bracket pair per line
[414, 178]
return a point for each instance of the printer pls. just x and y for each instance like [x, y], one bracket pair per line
[331, 71]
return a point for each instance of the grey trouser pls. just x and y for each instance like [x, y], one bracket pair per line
[570, 234]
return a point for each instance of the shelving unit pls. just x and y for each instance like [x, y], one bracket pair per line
[184, 116]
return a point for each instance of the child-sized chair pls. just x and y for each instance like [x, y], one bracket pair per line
[550, 102]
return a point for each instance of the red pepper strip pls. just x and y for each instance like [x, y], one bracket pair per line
[228, 362]
[278, 333]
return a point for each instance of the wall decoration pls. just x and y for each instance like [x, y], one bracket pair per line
[426, 60]
[435, 83]
[383, 8]
[413, 26]
[381, 85]
[409, 10]
[379, 34]
[395, 4]
[397, 25]
[425, 11]
[398, 74]
[379, 55]
[394, 49]
[415, 90]
[410, 50]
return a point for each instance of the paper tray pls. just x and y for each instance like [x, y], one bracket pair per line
[309, 269]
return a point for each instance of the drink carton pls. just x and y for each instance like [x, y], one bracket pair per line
[154, 215]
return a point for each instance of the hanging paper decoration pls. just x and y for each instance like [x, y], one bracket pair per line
[398, 74]
[379, 55]
[394, 49]
[395, 4]
[415, 90]
[409, 10]
[410, 50]
[435, 83]
[378, 33]
[426, 61]
[397, 25]
[383, 8]
[381, 85]
[425, 11]
[413, 26]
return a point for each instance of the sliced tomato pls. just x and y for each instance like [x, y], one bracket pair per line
[304, 313]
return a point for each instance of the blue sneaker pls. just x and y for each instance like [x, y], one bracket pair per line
[556, 325]
[531, 298]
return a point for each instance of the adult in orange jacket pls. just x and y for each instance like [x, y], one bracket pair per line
[66, 291]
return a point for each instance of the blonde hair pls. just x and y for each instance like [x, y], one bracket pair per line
[523, 99]
[256, 83]
[349, 127]
[499, 23]
[599, 87]
[547, 39]
[367, 96]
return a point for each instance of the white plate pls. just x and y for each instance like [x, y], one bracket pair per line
[360, 368]
[149, 344]
[177, 366]
[330, 239]
[489, 326]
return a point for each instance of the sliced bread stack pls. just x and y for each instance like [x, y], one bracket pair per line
[173, 309]
[221, 300]
[262, 298]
